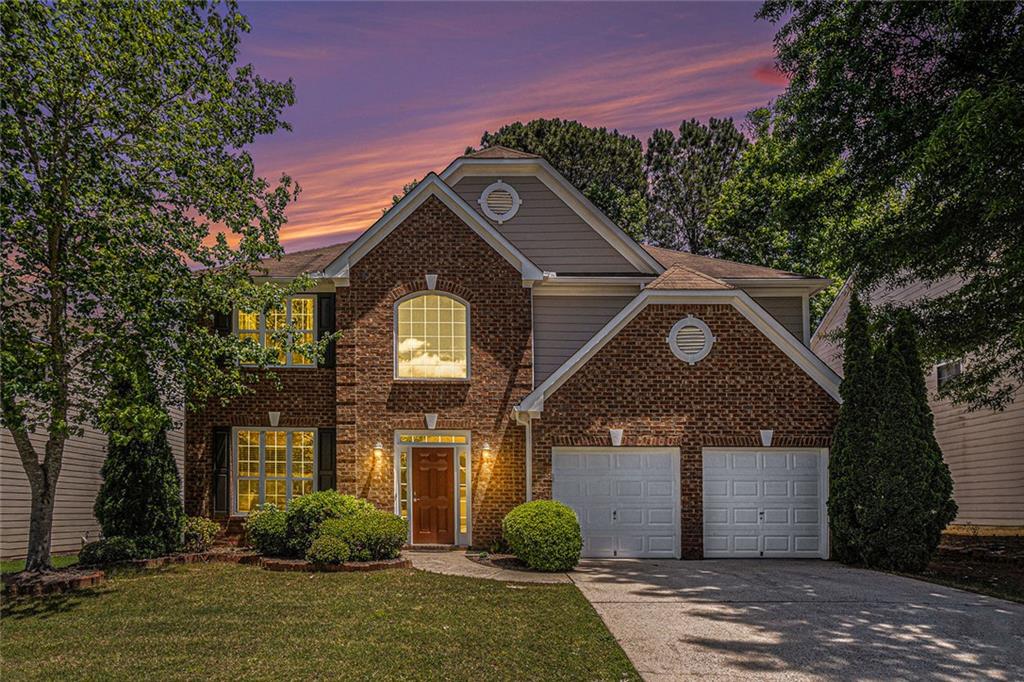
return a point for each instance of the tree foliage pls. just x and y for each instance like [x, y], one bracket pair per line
[607, 166]
[924, 102]
[890, 492]
[685, 177]
[124, 128]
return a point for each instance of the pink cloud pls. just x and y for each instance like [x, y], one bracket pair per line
[769, 75]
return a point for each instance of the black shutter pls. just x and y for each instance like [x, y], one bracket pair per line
[327, 454]
[326, 324]
[221, 460]
[222, 323]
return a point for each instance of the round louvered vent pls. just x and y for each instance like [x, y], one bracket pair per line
[690, 339]
[499, 202]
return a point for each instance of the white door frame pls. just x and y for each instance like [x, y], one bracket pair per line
[461, 539]
[822, 482]
[677, 502]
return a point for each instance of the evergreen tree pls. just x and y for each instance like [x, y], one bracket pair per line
[140, 497]
[854, 444]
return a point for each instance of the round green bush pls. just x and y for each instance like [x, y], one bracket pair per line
[108, 551]
[328, 550]
[306, 513]
[544, 534]
[266, 531]
[371, 536]
[198, 534]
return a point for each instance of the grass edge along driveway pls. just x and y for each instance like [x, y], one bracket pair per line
[224, 621]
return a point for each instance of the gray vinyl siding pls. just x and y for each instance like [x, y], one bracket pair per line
[983, 449]
[77, 486]
[788, 310]
[547, 231]
[562, 324]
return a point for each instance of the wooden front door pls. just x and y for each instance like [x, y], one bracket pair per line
[433, 496]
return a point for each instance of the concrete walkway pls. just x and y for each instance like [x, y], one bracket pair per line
[456, 563]
[799, 620]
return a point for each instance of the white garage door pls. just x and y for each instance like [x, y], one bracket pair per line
[627, 499]
[765, 503]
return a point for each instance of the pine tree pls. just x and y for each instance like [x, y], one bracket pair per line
[140, 497]
[854, 444]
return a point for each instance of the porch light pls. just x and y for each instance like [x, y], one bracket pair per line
[275, 418]
[378, 450]
[487, 449]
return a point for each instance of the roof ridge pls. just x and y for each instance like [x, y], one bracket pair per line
[667, 279]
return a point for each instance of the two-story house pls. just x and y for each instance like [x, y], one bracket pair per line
[501, 341]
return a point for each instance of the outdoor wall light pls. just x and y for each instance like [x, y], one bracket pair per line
[378, 450]
[487, 449]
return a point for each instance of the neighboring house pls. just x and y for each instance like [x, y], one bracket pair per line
[984, 449]
[77, 486]
[502, 341]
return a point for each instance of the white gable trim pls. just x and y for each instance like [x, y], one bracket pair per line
[430, 186]
[810, 363]
[573, 198]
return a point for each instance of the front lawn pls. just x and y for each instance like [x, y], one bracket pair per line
[58, 561]
[223, 621]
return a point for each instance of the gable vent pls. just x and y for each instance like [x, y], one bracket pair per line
[690, 340]
[499, 201]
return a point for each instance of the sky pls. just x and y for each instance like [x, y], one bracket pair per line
[387, 92]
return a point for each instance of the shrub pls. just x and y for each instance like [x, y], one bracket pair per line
[544, 534]
[328, 550]
[198, 534]
[265, 531]
[309, 511]
[108, 551]
[371, 536]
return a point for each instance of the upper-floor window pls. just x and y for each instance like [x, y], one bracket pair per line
[946, 371]
[260, 328]
[432, 337]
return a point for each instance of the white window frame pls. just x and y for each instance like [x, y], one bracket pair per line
[263, 473]
[939, 383]
[461, 538]
[394, 336]
[261, 330]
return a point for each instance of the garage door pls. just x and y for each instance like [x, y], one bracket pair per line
[627, 499]
[765, 503]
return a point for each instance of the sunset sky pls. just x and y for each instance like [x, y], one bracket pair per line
[387, 92]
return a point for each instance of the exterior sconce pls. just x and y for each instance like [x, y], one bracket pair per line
[766, 437]
[378, 450]
[275, 418]
[616, 436]
[487, 450]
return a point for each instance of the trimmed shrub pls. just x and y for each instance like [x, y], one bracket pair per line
[309, 511]
[544, 534]
[198, 534]
[371, 536]
[328, 550]
[108, 551]
[266, 531]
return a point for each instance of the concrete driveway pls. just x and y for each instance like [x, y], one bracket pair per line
[799, 620]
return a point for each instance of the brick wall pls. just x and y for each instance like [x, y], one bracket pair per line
[636, 383]
[304, 397]
[371, 404]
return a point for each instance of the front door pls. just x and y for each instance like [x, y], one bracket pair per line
[433, 487]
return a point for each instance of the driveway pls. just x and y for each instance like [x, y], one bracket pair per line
[799, 620]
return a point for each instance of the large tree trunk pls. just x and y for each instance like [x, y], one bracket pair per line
[42, 480]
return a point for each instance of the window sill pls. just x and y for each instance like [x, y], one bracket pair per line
[427, 380]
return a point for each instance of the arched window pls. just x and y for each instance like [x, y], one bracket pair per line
[432, 337]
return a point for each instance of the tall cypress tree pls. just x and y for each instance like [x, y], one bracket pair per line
[854, 444]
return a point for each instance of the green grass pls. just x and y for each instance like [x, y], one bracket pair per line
[59, 561]
[223, 621]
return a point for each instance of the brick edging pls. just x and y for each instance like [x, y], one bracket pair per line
[54, 584]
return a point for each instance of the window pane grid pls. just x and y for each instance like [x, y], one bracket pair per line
[260, 328]
[431, 338]
[273, 467]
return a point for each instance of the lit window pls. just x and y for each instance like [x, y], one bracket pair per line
[259, 328]
[432, 438]
[431, 338]
[463, 498]
[272, 466]
[946, 372]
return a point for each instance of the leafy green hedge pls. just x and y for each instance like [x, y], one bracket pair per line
[306, 513]
[108, 551]
[328, 550]
[371, 536]
[544, 534]
[266, 531]
[198, 534]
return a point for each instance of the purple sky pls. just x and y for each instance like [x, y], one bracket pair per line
[387, 92]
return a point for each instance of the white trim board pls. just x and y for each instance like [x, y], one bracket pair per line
[533, 404]
[564, 190]
[430, 186]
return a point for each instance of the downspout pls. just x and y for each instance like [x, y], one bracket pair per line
[529, 460]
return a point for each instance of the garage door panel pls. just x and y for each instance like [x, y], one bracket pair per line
[627, 502]
[763, 502]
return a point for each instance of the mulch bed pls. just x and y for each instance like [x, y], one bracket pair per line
[347, 567]
[993, 565]
[36, 584]
[506, 561]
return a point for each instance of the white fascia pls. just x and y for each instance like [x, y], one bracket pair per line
[776, 286]
[533, 404]
[430, 186]
[564, 190]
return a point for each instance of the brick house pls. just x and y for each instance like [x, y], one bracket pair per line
[501, 341]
